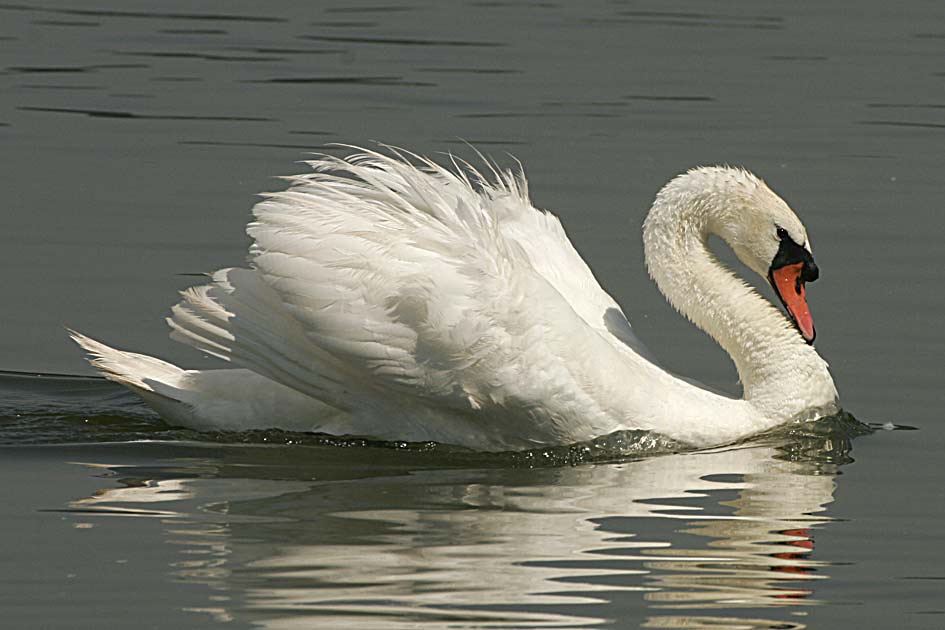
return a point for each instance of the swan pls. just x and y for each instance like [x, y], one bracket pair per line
[391, 297]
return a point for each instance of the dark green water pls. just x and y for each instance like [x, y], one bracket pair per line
[133, 137]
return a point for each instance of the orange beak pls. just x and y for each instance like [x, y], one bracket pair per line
[788, 282]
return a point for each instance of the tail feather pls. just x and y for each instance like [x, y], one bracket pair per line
[133, 370]
[229, 399]
[156, 382]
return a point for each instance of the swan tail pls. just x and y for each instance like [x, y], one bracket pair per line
[138, 372]
[156, 382]
[228, 399]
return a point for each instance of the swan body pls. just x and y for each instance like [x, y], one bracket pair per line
[390, 297]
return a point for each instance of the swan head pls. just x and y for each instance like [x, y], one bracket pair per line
[761, 229]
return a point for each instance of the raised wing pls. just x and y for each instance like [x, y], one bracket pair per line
[541, 238]
[374, 278]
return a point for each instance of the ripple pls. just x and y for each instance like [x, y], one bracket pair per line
[287, 51]
[906, 105]
[65, 23]
[213, 17]
[345, 80]
[667, 97]
[345, 24]
[470, 70]
[177, 79]
[374, 9]
[480, 142]
[102, 113]
[731, 17]
[510, 4]
[539, 115]
[74, 69]
[192, 55]
[130, 95]
[267, 145]
[47, 69]
[703, 622]
[899, 123]
[403, 41]
[193, 31]
[37, 86]
[704, 20]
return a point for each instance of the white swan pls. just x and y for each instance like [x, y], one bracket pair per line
[390, 297]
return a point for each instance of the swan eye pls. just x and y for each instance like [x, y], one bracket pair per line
[782, 233]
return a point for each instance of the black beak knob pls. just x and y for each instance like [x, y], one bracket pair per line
[810, 272]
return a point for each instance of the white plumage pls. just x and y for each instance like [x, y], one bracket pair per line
[390, 297]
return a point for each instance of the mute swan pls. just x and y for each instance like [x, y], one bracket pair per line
[391, 297]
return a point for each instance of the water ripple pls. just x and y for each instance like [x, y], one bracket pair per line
[37, 86]
[191, 55]
[403, 41]
[901, 123]
[704, 20]
[266, 145]
[193, 31]
[470, 70]
[212, 17]
[667, 97]
[75, 69]
[101, 113]
[65, 23]
[372, 9]
[286, 51]
[342, 80]
[906, 105]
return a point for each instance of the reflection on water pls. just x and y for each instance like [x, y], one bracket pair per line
[353, 538]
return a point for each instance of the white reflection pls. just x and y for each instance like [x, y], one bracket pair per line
[490, 548]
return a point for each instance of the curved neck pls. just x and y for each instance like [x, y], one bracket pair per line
[772, 359]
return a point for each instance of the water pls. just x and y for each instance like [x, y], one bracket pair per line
[133, 140]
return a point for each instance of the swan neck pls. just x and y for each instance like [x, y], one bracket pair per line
[760, 340]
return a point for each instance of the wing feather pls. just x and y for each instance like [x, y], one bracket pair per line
[379, 276]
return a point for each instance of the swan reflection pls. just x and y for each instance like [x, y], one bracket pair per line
[292, 538]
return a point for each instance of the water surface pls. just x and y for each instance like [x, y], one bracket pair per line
[133, 139]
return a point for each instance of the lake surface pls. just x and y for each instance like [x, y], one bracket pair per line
[133, 138]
